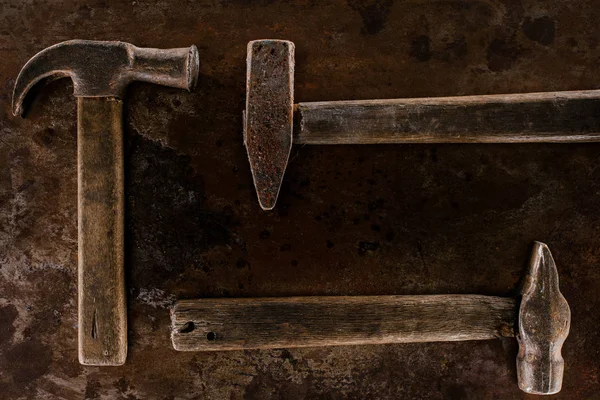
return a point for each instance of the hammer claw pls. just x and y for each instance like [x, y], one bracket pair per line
[100, 72]
[47, 64]
[104, 69]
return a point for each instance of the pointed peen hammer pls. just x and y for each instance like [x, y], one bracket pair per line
[540, 319]
[101, 72]
[272, 122]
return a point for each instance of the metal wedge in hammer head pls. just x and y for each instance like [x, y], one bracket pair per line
[540, 320]
[273, 122]
[101, 72]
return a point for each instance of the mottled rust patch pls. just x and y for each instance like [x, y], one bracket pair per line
[8, 314]
[502, 54]
[29, 361]
[541, 30]
[160, 252]
[420, 48]
[374, 14]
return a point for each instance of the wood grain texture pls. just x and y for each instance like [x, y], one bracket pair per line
[234, 324]
[530, 117]
[102, 307]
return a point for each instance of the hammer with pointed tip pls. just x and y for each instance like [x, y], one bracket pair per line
[540, 320]
[272, 122]
[101, 72]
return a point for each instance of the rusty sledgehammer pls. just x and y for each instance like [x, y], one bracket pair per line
[101, 72]
[272, 122]
[540, 319]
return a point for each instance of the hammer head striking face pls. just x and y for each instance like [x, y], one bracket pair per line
[104, 69]
[268, 120]
[544, 321]
[101, 71]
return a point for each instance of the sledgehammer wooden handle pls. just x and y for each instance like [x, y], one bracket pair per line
[235, 324]
[102, 304]
[502, 118]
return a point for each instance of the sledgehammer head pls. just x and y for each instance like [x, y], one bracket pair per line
[544, 321]
[268, 119]
[104, 69]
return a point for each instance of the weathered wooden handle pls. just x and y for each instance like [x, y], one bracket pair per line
[102, 305]
[510, 118]
[235, 324]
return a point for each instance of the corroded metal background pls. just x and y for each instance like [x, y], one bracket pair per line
[405, 219]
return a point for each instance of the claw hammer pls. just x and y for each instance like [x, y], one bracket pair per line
[101, 72]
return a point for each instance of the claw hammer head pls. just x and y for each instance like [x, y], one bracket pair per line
[104, 69]
[544, 321]
[268, 119]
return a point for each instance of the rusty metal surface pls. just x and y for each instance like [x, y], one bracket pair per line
[269, 115]
[544, 321]
[106, 68]
[351, 220]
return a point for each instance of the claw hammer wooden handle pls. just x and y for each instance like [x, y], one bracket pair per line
[102, 302]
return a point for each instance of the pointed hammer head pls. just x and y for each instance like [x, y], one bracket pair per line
[104, 69]
[544, 321]
[268, 119]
